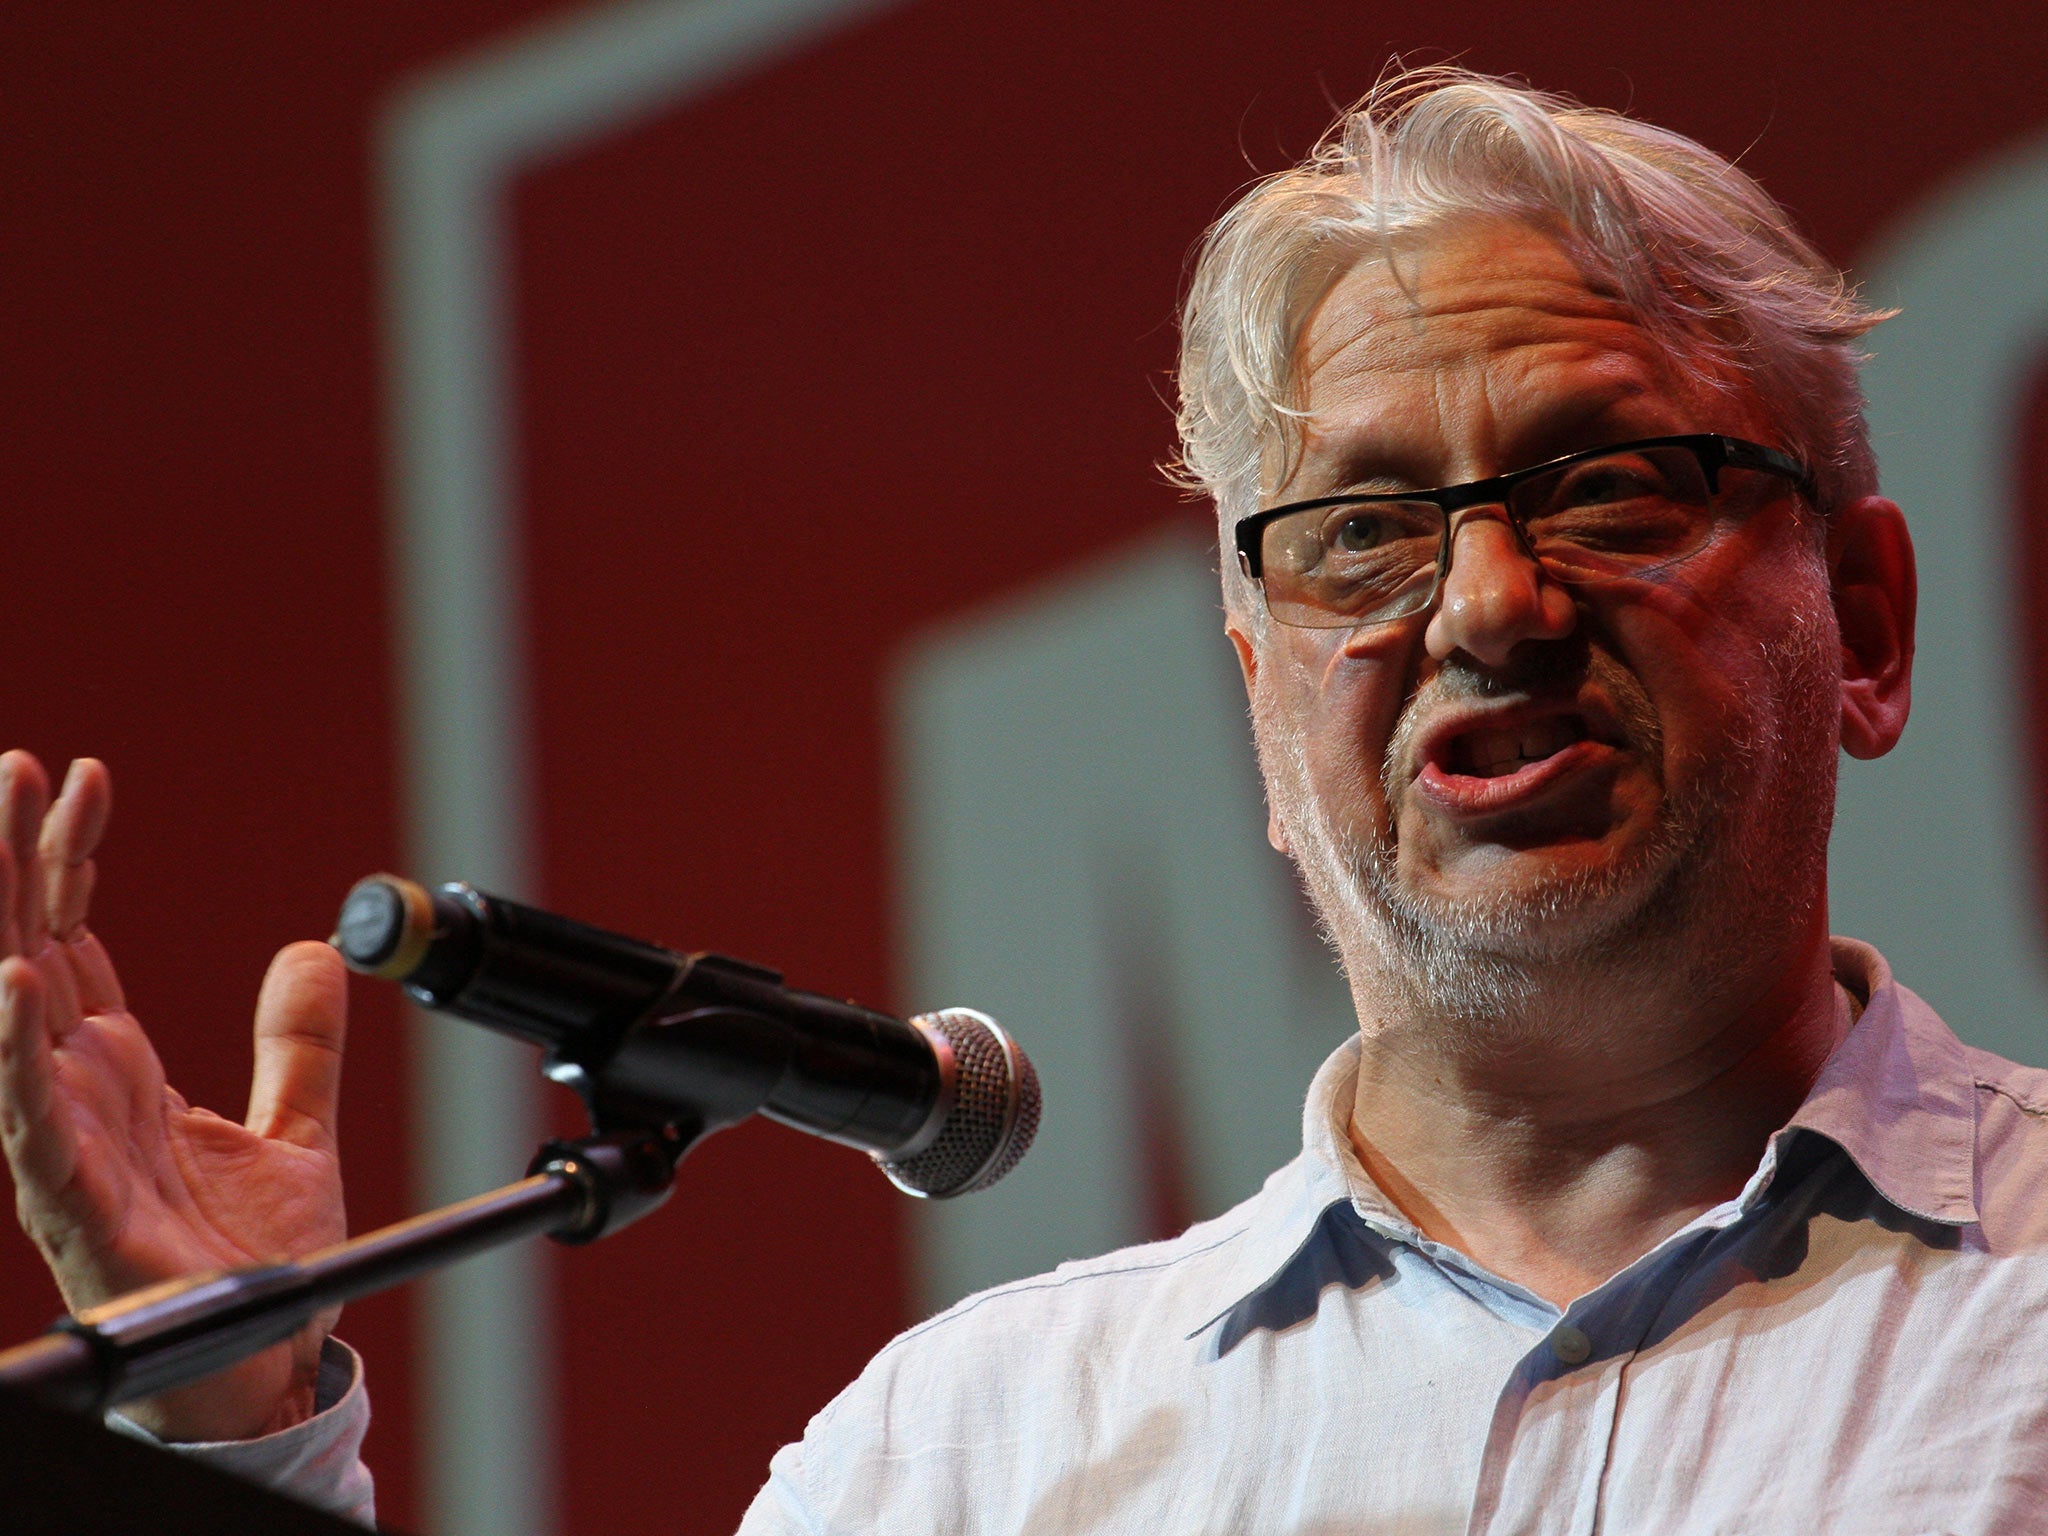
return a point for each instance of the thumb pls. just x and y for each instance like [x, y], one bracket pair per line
[301, 1019]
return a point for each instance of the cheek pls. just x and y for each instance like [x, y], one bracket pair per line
[1361, 704]
[1733, 668]
[1337, 704]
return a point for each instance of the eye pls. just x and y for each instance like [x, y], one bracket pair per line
[1620, 512]
[1605, 482]
[1663, 474]
[1361, 531]
[1380, 527]
[1340, 558]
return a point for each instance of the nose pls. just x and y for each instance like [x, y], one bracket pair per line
[1494, 596]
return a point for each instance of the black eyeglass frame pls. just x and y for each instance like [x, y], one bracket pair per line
[1714, 451]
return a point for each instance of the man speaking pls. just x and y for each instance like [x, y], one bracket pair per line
[1554, 560]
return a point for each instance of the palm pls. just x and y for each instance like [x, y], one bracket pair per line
[180, 1189]
[120, 1182]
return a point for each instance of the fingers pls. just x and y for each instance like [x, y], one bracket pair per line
[46, 881]
[301, 1018]
[92, 973]
[69, 837]
[24, 797]
[60, 1002]
[10, 930]
[35, 1125]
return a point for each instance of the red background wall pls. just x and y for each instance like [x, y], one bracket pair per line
[895, 312]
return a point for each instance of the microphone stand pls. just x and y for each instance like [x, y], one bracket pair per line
[167, 1335]
[663, 1049]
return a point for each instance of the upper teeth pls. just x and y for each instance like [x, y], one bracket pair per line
[1490, 753]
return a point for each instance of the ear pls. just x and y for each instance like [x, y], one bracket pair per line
[1248, 664]
[1875, 590]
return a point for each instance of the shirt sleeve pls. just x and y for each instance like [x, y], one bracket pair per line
[318, 1461]
[781, 1508]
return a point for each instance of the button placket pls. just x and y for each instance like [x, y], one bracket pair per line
[1545, 1456]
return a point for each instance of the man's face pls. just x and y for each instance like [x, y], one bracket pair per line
[1537, 775]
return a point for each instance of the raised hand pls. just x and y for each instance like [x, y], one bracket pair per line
[118, 1180]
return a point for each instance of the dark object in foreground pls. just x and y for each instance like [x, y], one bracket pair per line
[67, 1476]
[167, 1335]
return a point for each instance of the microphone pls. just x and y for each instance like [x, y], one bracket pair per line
[945, 1103]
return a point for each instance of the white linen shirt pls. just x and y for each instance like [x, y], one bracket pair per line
[1857, 1342]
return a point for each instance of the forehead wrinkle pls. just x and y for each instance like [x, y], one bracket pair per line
[1481, 271]
[1500, 414]
[1381, 345]
[1496, 334]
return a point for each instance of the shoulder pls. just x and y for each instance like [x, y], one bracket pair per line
[965, 1410]
[2022, 1089]
[2012, 1104]
[1135, 1295]
[1019, 1365]
[1928, 1063]
[2011, 1152]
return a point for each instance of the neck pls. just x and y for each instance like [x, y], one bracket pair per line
[1561, 1155]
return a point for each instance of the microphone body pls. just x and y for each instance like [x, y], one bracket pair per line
[945, 1103]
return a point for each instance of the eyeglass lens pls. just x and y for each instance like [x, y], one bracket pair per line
[1622, 514]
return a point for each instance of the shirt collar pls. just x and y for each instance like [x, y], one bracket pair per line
[1285, 1214]
[1897, 1096]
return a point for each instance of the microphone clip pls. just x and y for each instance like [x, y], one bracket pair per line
[620, 1177]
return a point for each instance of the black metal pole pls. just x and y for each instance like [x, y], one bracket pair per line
[168, 1335]
[47, 1367]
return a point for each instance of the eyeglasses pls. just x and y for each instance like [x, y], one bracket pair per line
[1345, 562]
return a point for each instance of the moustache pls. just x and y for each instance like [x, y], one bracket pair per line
[1556, 672]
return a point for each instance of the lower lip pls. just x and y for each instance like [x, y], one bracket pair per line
[1464, 794]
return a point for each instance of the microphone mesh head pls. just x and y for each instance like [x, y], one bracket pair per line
[994, 1113]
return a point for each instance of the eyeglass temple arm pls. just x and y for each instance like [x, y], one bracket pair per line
[1755, 456]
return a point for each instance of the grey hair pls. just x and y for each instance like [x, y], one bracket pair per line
[1701, 253]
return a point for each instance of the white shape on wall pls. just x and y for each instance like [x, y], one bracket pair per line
[1083, 854]
[448, 145]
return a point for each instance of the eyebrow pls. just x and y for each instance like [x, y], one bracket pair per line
[1373, 466]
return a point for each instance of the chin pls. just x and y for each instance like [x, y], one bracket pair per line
[1521, 936]
[1529, 908]
[1518, 936]
[1554, 952]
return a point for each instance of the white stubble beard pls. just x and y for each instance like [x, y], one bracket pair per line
[1737, 854]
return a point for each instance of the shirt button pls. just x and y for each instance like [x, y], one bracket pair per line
[1570, 1345]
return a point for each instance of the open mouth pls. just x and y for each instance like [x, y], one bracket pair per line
[1513, 760]
[1496, 752]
